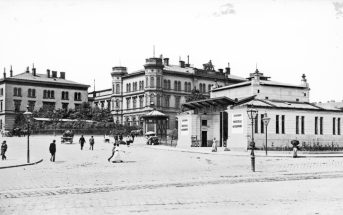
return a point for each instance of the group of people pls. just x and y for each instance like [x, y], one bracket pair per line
[116, 151]
[52, 147]
[82, 142]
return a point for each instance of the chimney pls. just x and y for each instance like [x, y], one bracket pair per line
[221, 70]
[54, 74]
[11, 72]
[62, 75]
[27, 70]
[187, 64]
[34, 71]
[48, 73]
[182, 64]
[227, 69]
[166, 61]
[4, 72]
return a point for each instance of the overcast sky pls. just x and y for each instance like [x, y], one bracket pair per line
[86, 39]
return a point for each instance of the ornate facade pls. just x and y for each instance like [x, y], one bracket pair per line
[161, 85]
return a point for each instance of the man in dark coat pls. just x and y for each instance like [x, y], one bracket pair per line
[82, 141]
[52, 149]
[3, 150]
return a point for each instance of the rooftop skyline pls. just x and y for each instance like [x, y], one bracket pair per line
[86, 39]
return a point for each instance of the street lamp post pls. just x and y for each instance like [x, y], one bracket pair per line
[28, 115]
[266, 120]
[252, 115]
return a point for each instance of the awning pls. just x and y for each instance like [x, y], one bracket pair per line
[220, 101]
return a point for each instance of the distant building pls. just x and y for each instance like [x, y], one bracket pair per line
[292, 116]
[37, 91]
[161, 85]
[101, 98]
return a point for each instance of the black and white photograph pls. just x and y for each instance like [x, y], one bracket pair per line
[174, 107]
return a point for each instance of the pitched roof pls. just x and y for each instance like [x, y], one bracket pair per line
[26, 76]
[286, 105]
[154, 114]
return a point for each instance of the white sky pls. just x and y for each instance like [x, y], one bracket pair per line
[87, 38]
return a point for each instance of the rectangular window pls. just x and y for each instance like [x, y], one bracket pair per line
[17, 104]
[302, 125]
[1, 91]
[316, 125]
[338, 126]
[297, 124]
[1, 107]
[334, 126]
[203, 122]
[262, 124]
[282, 124]
[141, 101]
[65, 106]
[277, 129]
[32, 105]
[321, 125]
[134, 102]
[177, 101]
[256, 123]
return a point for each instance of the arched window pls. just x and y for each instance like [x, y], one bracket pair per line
[146, 82]
[179, 86]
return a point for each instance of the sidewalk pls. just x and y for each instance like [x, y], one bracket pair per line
[258, 153]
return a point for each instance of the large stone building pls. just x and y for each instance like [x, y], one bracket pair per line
[37, 91]
[292, 116]
[160, 84]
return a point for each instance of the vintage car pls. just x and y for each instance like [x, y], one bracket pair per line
[152, 139]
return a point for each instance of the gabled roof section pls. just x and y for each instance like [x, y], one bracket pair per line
[155, 114]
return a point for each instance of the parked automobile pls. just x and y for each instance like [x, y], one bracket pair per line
[152, 139]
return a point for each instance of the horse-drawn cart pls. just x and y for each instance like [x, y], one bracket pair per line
[67, 137]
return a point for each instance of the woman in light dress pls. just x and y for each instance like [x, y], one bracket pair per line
[118, 154]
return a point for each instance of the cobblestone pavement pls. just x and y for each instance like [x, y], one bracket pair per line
[164, 182]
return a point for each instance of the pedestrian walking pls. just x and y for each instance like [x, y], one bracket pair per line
[133, 137]
[3, 150]
[91, 143]
[52, 150]
[82, 141]
[120, 137]
[117, 155]
[214, 145]
[113, 150]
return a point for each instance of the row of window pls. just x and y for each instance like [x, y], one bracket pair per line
[166, 85]
[31, 104]
[138, 102]
[299, 125]
[47, 94]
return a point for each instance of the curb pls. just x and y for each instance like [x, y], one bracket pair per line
[300, 155]
[28, 164]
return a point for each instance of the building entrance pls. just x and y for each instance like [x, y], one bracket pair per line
[203, 138]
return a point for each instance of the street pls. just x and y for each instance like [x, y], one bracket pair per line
[156, 181]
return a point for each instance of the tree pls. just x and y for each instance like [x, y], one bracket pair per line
[195, 96]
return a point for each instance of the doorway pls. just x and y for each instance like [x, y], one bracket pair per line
[203, 138]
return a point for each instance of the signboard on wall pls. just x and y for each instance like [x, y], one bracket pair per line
[184, 126]
[237, 123]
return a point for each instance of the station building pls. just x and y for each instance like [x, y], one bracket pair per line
[159, 84]
[292, 116]
[37, 91]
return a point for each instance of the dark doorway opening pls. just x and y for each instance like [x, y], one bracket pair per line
[203, 138]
